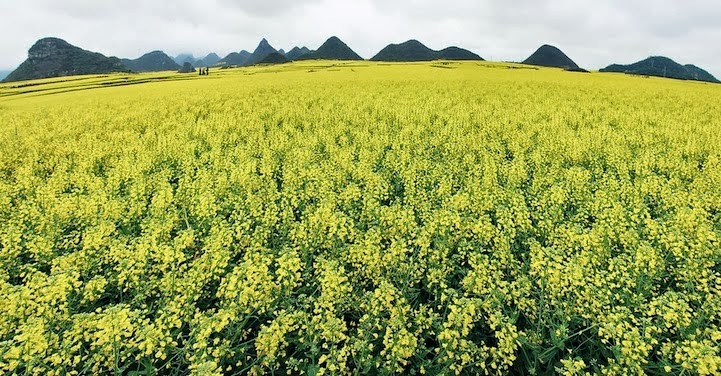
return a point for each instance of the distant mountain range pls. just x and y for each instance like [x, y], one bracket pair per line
[660, 66]
[414, 50]
[332, 49]
[53, 57]
[209, 60]
[183, 58]
[261, 52]
[245, 58]
[234, 58]
[4, 74]
[551, 56]
[157, 61]
[296, 52]
[152, 62]
[274, 58]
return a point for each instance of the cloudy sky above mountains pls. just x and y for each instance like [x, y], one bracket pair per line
[593, 33]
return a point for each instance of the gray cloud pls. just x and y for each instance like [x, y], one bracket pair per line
[594, 34]
[267, 8]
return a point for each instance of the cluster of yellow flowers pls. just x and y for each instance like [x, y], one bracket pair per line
[362, 218]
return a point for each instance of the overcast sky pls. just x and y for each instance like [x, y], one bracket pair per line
[593, 33]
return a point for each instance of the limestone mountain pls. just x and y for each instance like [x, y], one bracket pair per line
[155, 61]
[660, 66]
[261, 52]
[699, 74]
[296, 52]
[332, 49]
[414, 50]
[209, 60]
[550, 56]
[187, 68]
[456, 53]
[274, 58]
[54, 57]
[182, 58]
[411, 50]
[235, 58]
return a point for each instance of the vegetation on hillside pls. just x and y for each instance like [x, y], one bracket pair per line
[332, 49]
[414, 50]
[234, 59]
[53, 57]
[274, 58]
[208, 61]
[551, 56]
[155, 61]
[660, 66]
[296, 52]
[261, 52]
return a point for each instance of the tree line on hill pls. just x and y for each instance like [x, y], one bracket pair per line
[53, 57]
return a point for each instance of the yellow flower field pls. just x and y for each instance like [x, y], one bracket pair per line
[327, 218]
